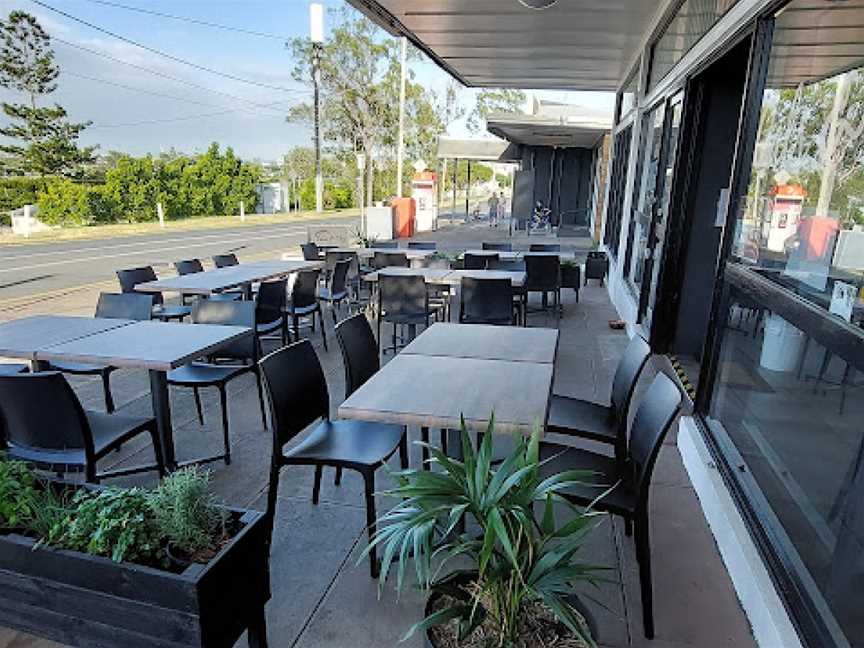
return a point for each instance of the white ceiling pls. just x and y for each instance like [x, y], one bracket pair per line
[573, 45]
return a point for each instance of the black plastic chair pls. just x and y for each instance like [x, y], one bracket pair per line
[298, 396]
[630, 482]
[225, 260]
[63, 437]
[337, 291]
[310, 252]
[188, 266]
[544, 247]
[9, 369]
[212, 374]
[543, 275]
[133, 276]
[132, 306]
[595, 421]
[478, 261]
[352, 278]
[508, 265]
[486, 301]
[390, 259]
[304, 303]
[503, 247]
[385, 245]
[402, 301]
[422, 245]
[270, 310]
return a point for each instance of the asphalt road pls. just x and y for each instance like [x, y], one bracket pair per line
[28, 270]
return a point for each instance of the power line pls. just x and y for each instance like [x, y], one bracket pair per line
[168, 120]
[195, 21]
[157, 72]
[170, 57]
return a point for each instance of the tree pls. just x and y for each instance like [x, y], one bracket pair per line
[48, 142]
[487, 102]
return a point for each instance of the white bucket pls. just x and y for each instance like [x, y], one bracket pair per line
[782, 345]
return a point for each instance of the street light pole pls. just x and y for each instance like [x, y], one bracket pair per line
[316, 32]
[401, 140]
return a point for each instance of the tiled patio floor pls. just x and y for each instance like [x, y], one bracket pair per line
[322, 597]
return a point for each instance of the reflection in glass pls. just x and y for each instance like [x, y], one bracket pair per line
[653, 144]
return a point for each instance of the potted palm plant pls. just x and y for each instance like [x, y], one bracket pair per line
[518, 589]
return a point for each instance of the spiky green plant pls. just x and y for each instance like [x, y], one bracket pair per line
[520, 554]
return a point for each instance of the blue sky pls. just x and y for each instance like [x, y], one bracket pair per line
[185, 116]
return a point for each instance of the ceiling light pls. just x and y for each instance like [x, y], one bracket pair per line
[537, 4]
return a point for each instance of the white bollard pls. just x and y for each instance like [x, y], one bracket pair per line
[161, 213]
[242, 212]
[27, 217]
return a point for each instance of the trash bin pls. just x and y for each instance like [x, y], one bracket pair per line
[404, 211]
[782, 345]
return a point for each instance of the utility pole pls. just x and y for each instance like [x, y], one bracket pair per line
[400, 153]
[316, 32]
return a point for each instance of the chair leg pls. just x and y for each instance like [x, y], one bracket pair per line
[321, 321]
[316, 488]
[369, 484]
[643, 556]
[198, 405]
[338, 480]
[444, 442]
[424, 436]
[223, 402]
[261, 397]
[106, 389]
[403, 449]
[332, 313]
[379, 335]
[295, 320]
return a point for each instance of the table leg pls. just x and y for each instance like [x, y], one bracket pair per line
[162, 413]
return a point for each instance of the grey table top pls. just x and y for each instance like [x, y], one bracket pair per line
[368, 253]
[213, 281]
[435, 391]
[23, 338]
[430, 275]
[504, 255]
[455, 276]
[160, 346]
[480, 341]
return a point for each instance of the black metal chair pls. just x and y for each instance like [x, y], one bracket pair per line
[10, 369]
[595, 421]
[336, 291]
[298, 396]
[304, 303]
[225, 260]
[543, 275]
[213, 374]
[270, 310]
[310, 252]
[544, 247]
[503, 247]
[478, 261]
[629, 482]
[486, 301]
[132, 306]
[390, 259]
[133, 276]
[402, 301]
[385, 245]
[422, 245]
[43, 423]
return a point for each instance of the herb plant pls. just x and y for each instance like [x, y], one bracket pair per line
[18, 494]
[521, 558]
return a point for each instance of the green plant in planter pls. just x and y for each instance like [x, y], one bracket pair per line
[362, 239]
[18, 494]
[521, 557]
[568, 264]
[186, 513]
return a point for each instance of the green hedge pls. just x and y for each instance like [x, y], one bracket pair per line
[17, 192]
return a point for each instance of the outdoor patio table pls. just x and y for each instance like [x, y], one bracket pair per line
[155, 346]
[368, 253]
[220, 279]
[22, 338]
[516, 276]
[430, 275]
[504, 255]
[486, 342]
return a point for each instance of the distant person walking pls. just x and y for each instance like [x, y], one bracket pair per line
[493, 209]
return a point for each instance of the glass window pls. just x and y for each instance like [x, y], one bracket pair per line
[789, 389]
[692, 21]
[647, 185]
[629, 92]
[617, 183]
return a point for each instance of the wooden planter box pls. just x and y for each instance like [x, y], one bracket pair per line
[86, 600]
[570, 277]
[596, 266]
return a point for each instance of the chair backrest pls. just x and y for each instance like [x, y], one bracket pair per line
[504, 247]
[389, 245]
[388, 259]
[304, 292]
[542, 272]
[402, 295]
[486, 301]
[37, 433]
[225, 260]
[544, 247]
[296, 391]
[270, 301]
[478, 261]
[133, 306]
[339, 277]
[230, 313]
[652, 421]
[310, 252]
[359, 351]
[509, 265]
[332, 257]
[627, 375]
[189, 266]
[422, 245]
[131, 277]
